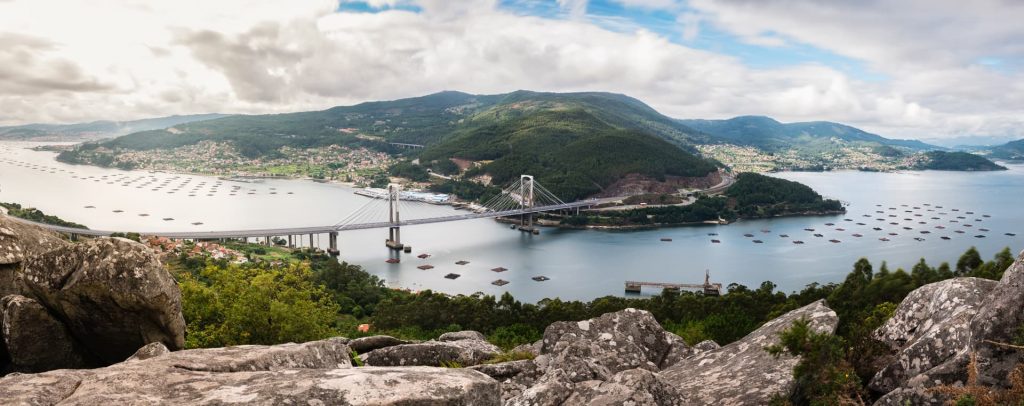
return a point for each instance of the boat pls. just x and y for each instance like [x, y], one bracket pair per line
[766, 231]
[1011, 234]
[847, 219]
[968, 225]
[90, 207]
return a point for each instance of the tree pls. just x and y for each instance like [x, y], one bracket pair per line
[968, 262]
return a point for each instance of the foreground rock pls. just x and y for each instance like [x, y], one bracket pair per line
[929, 326]
[743, 373]
[938, 350]
[113, 295]
[464, 349]
[19, 241]
[311, 373]
[35, 340]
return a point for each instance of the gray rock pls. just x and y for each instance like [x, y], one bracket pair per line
[677, 351]
[636, 387]
[614, 342]
[551, 389]
[112, 294]
[19, 241]
[999, 320]
[34, 339]
[289, 374]
[462, 335]
[706, 345]
[148, 351]
[515, 376]
[929, 327]
[432, 353]
[743, 373]
[534, 348]
[367, 344]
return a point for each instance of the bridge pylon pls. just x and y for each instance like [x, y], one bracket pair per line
[527, 201]
[394, 240]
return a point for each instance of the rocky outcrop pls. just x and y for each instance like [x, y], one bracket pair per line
[743, 373]
[101, 300]
[466, 351]
[316, 373]
[938, 328]
[365, 344]
[111, 293]
[35, 340]
[928, 327]
[19, 241]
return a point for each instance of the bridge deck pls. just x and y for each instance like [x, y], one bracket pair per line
[316, 229]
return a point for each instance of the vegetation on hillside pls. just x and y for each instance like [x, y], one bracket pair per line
[33, 214]
[752, 196]
[1011, 151]
[958, 161]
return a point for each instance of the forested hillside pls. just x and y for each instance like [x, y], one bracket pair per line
[768, 134]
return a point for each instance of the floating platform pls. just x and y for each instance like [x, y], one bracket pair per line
[540, 278]
[500, 282]
[425, 267]
[499, 269]
[461, 262]
[452, 276]
[666, 239]
[423, 256]
[393, 260]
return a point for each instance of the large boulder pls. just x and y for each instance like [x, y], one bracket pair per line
[637, 387]
[616, 341]
[929, 326]
[35, 340]
[316, 373]
[1000, 320]
[743, 373]
[433, 353]
[113, 295]
[366, 344]
[19, 241]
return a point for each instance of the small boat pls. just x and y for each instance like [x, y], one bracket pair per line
[919, 238]
[979, 236]
[666, 239]
[393, 260]
[1011, 234]
[935, 218]
[917, 208]
[879, 211]
[758, 242]
[927, 204]
[798, 242]
[944, 238]
[540, 278]
[715, 241]
[834, 241]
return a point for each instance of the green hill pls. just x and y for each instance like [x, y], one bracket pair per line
[957, 161]
[572, 151]
[811, 137]
[1011, 151]
[96, 129]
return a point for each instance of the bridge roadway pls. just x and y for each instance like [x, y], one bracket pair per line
[255, 233]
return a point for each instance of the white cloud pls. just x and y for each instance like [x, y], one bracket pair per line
[135, 58]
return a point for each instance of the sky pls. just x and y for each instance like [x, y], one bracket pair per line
[921, 69]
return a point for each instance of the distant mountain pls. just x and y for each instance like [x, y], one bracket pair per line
[970, 142]
[816, 136]
[95, 130]
[1011, 151]
[576, 143]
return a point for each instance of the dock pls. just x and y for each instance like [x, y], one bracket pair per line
[708, 288]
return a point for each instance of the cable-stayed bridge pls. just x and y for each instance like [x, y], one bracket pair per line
[522, 199]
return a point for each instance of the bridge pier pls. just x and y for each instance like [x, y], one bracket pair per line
[266, 240]
[311, 245]
[291, 242]
[333, 250]
[394, 240]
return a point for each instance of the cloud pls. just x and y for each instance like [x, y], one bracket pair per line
[135, 58]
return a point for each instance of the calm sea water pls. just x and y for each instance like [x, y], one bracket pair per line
[581, 264]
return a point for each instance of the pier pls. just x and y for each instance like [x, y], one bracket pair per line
[708, 288]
